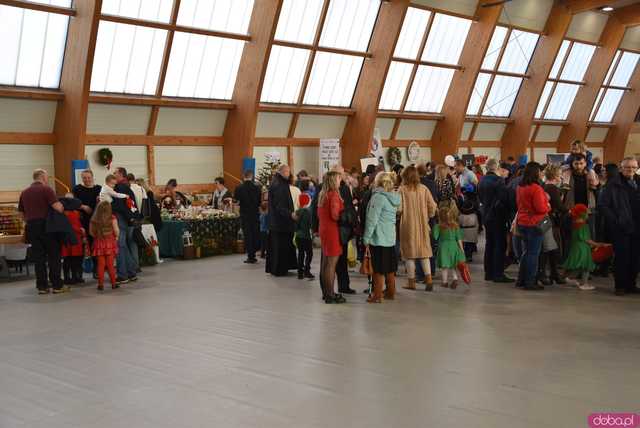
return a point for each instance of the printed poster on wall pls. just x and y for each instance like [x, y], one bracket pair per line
[329, 155]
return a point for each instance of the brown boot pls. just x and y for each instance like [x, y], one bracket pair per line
[390, 292]
[411, 284]
[376, 295]
[428, 280]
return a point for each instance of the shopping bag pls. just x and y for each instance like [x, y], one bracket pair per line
[87, 265]
[365, 267]
[602, 254]
[352, 257]
[463, 268]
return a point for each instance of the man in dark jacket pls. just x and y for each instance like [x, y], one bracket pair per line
[127, 258]
[492, 192]
[249, 196]
[281, 254]
[620, 204]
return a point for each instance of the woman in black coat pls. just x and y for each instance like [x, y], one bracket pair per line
[281, 254]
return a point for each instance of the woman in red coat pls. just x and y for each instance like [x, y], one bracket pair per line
[330, 206]
[73, 254]
[533, 207]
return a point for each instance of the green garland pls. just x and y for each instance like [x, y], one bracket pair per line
[105, 157]
[394, 156]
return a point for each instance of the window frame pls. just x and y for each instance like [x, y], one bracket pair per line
[172, 28]
[494, 72]
[606, 85]
[313, 48]
[50, 9]
[555, 81]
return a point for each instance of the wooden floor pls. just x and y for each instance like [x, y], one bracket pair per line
[216, 343]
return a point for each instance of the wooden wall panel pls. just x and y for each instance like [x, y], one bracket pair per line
[516, 136]
[447, 133]
[71, 116]
[359, 129]
[240, 129]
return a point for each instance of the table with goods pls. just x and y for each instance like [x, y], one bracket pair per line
[12, 246]
[198, 232]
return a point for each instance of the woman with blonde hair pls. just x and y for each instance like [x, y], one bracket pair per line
[330, 206]
[445, 187]
[380, 235]
[416, 208]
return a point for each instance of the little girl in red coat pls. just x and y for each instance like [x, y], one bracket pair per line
[73, 254]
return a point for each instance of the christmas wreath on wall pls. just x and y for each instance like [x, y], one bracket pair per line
[394, 156]
[105, 157]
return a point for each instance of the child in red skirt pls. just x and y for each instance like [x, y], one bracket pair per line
[105, 231]
[73, 253]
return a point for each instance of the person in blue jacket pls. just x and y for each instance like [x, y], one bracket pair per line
[380, 235]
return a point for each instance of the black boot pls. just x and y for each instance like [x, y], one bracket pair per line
[554, 256]
[542, 269]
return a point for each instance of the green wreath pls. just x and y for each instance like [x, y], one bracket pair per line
[105, 157]
[394, 156]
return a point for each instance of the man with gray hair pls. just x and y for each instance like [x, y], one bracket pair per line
[620, 205]
[492, 192]
[35, 203]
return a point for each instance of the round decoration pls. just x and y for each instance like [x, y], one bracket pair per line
[394, 156]
[105, 157]
[450, 161]
[413, 152]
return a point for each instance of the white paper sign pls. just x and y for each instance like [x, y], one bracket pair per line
[329, 155]
[376, 146]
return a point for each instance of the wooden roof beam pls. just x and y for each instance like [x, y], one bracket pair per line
[628, 16]
[446, 136]
[358, 132]
[240, 129]
[39, 7]
[70, 125]
[515, 139]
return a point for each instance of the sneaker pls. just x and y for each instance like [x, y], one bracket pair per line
[43, 291]
[133, 278]
[63, 289]
[121, 281]
[586, 287]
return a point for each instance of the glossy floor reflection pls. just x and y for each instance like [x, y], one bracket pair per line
[216, 343]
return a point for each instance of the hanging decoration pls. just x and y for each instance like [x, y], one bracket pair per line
[393, 156]
[413, 152]
[105, 157]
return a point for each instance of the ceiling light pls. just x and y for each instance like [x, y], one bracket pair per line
[607, 9]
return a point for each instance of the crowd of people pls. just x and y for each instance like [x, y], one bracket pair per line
[99, 223]
[560, 223]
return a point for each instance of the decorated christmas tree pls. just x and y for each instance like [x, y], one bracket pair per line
[270, 166]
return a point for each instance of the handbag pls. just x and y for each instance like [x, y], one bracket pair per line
[463, 268]
[544, 225]
[366, 268]
[87, 265]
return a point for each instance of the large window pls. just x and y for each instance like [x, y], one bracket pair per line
[32, 45]
[133, 57]
[318, 52]
[424, 61]
[503, 69]
[614, 87]
[564, 80]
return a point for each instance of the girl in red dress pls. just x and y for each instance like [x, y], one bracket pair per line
[73, 254]
[105, 231]
[330, 206]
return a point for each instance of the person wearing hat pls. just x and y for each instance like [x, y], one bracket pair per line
[304, 240]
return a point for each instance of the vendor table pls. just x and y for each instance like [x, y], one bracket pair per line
[214, 236]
